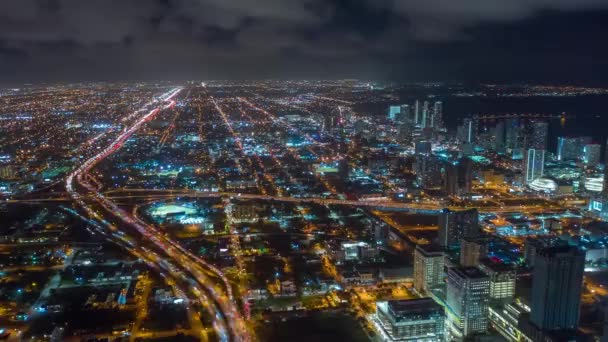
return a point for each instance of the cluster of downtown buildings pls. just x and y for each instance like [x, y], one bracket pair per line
[344, 182]
[466, 298]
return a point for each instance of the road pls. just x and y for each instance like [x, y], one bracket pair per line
[152, 194]
[189, 271]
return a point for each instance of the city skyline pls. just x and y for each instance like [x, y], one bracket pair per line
[303, 170]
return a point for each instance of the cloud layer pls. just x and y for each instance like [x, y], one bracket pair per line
[67, 39]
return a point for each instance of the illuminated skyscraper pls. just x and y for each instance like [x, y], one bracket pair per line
[417, 112]
[458, 176]
[467, 132]
[472, 250]
[437, 117]
[424, 121]
[428, 171]
[502, 279]
[539, 131]
[393, 111]
[467, 298]
[454, 225]
[535, 165]
[571, 148]
[499, 137]
[405, 115]
[513, 134]
[428, 267]
[556, 288]
[592, 154]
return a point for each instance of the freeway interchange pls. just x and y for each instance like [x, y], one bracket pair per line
[197, 279]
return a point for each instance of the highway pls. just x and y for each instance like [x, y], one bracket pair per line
[187, 269]
[424, 207]
[151, 194]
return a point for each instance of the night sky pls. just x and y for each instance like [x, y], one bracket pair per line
[539, 41]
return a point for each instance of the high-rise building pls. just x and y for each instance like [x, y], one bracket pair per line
[424, 121]
[472, 250]
[467, 133]
[535, 165]
[458, 176]
[499, 137]
[539, 133]
[467, 299]
[405, 132]
[411, 320]
[592, 154]
[556, 288]
[571, 148]
[455, 225]
[502, 279]
[405, 115]
[417, 112]
[428, 267]
[513, 134]
[393, 111]
[437, 117]
[428, 171]
[450, 178]
[465, 174]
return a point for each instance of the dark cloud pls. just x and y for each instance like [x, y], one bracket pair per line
[430, 39]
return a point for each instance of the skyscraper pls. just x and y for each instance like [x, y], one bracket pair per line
[512, 134]
[450, 178]
[465, 174]
[535, 165]
[472, 250]
[467, 298]
[539, 133]
[393, 111]
[437, 117]
[405, 115]
[571, 148]
[454, 225]
[458, 176]
[556, 288]
[424, 121]
[468, 131]
[417, 112]
[428, 171]
[502, 279]
[592, 154]
[499, 137]
[428, 267]
[405, 132]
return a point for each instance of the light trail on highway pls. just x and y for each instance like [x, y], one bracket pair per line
[189, 263]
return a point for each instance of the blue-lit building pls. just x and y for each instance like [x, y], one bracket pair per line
[393, 111]
[535, 165]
